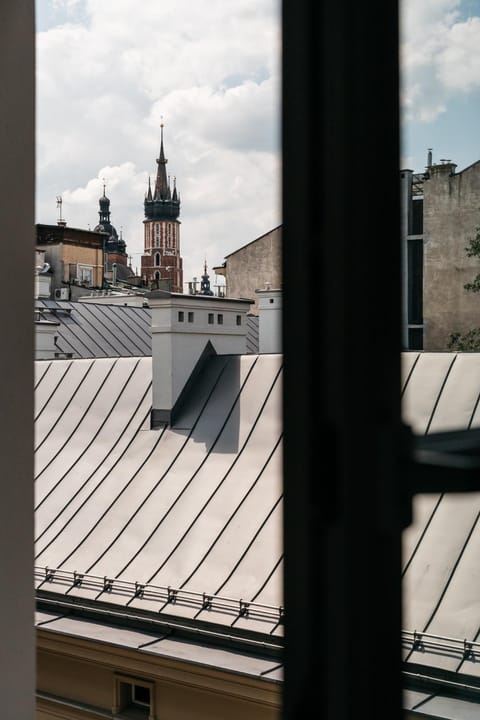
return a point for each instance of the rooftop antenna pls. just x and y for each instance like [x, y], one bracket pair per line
[60, 220]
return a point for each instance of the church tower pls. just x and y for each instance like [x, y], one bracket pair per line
[161, 259]
[116, 265]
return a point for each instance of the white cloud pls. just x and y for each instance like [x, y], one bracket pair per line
[459, 65]
[212, 72]
[440, 56]
[211, 68]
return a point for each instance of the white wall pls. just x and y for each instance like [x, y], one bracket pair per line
[269, 320]
[177, 345]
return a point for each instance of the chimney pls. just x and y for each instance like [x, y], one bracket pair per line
[46, 334]
[269, 320]
[185, 329]
[444, 167]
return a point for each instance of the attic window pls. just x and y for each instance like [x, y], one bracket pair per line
[133, 698]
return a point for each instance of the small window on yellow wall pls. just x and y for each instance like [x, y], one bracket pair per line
[133, 698]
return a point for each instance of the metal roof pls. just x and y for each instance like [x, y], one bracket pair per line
[441, 570]
[162, 644]
[184, 521]
[89, 330]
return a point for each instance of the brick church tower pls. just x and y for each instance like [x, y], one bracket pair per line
[161, 260]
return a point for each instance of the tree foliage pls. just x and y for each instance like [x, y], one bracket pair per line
[473, 250]
[470, 340]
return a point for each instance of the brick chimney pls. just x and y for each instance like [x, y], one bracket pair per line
[184, 329]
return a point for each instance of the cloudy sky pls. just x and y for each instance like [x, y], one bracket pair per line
[440, 56]
[109, 70]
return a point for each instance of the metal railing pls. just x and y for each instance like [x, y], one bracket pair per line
[159, 594]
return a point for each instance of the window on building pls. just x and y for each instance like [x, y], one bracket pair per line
[133, 698]
[220, 319]
[157, 259]
[210, 318]
[190, 317]
[180, 316]
[157, 275]
[85, 274]
[239, 319]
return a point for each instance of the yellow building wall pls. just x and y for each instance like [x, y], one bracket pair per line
[75, 254]
[78, 678]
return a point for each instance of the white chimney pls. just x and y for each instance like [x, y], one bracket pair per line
[184, 327]
[46, 333]
[269, 320]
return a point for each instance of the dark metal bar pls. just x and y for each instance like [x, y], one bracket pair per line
[343, 441]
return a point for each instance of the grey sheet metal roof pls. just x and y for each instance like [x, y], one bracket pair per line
[441, 548]
[163, 645]
[184, 521]
[436, 705]
[88, 330]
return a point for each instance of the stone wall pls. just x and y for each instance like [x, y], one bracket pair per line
[451, 216]
[254, 267]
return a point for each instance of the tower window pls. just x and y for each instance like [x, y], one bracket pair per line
[157, 275]
[157, 258]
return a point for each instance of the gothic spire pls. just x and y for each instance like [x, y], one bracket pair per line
[162, 191]
[205, 282]
[160, 202]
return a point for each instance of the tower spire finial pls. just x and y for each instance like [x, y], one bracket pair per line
[161, 186]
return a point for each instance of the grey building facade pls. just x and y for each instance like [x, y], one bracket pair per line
[440, 216]
[255, 266]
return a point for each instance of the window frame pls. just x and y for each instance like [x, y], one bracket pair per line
[123, 689]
